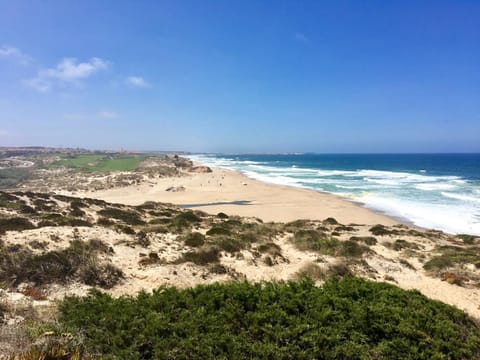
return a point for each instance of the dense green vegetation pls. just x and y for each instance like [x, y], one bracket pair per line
[79, 262]
[100, 163]
[10, 177]
[344, 319]
[453, 255]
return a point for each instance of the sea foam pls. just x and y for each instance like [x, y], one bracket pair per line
[424, 197]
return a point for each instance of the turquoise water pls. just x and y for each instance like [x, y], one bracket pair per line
[440, 191]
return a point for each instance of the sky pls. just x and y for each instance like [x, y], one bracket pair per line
[241, 76]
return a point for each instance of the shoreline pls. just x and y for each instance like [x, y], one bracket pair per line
[222, 189]
[398, 219]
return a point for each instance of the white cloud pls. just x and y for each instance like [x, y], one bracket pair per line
[137, 81]
[301, 37]
[75, 117]
[99, 115]
[108, 115]
[15, 54]
[68, 71]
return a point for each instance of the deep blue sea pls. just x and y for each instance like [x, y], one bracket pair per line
[440, 191]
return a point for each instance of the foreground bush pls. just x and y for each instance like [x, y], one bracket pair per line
[344, 319]
[77, 262]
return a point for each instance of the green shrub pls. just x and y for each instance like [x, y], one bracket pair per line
[188, 216]
[202, 256]
[308, 239]
[184, 220]
[341, 228]
[127, 216]
[270, 248]
[468, 239]
[77, 262]
[348, 318]
[451, 256]
[296, 225]
[369, 240]
[77, 203]
[400, 244]
[351, 248]
[25, 209]
[218, 230]
[339, 269]
[104, 222]
[160, 221]
[45, 223]
[229, 244]
[142, 239]
[77, 212]
[126, 229]
[407, 264]
[379, 230]
[330, 221]
[233, 223]
[222, 215]
[311, 271]
[7, 197]
[15, 224]
[194, 239]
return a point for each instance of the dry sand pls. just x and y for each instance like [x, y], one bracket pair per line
[221, 188]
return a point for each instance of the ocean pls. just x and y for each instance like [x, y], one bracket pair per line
[439, 191]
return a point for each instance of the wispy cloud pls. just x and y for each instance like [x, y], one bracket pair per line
[14, 54]
[91, 116]
[301, 37]
[75, 117]
[108, 115]
[68, 71]
[138, 81]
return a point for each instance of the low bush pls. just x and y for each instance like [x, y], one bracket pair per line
[230, 245]
[407, 264]
[219, 230]
[351, 248]
[341, 228]
[330, 221]
[379, 230]
[368, 240]
[15, 224]
[105, 222]
[468, 239]
[400, 244]
[314, 240]
[77, 262]
[194, 239]
[311, 271]
[127, 216]
[142, 239]
[184, 220]
[309, 239]
[452, 256]
[202, 256]
[296, 225]
[270, 248]
[126, 229]
[188, 216]
[77, 212]
[347, 318]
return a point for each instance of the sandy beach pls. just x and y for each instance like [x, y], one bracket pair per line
[235, 194]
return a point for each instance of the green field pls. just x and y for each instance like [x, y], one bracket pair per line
[100, 163]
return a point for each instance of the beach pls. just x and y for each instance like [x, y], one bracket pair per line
[233, 193]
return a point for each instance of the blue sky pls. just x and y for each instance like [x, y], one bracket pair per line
[241, 76]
